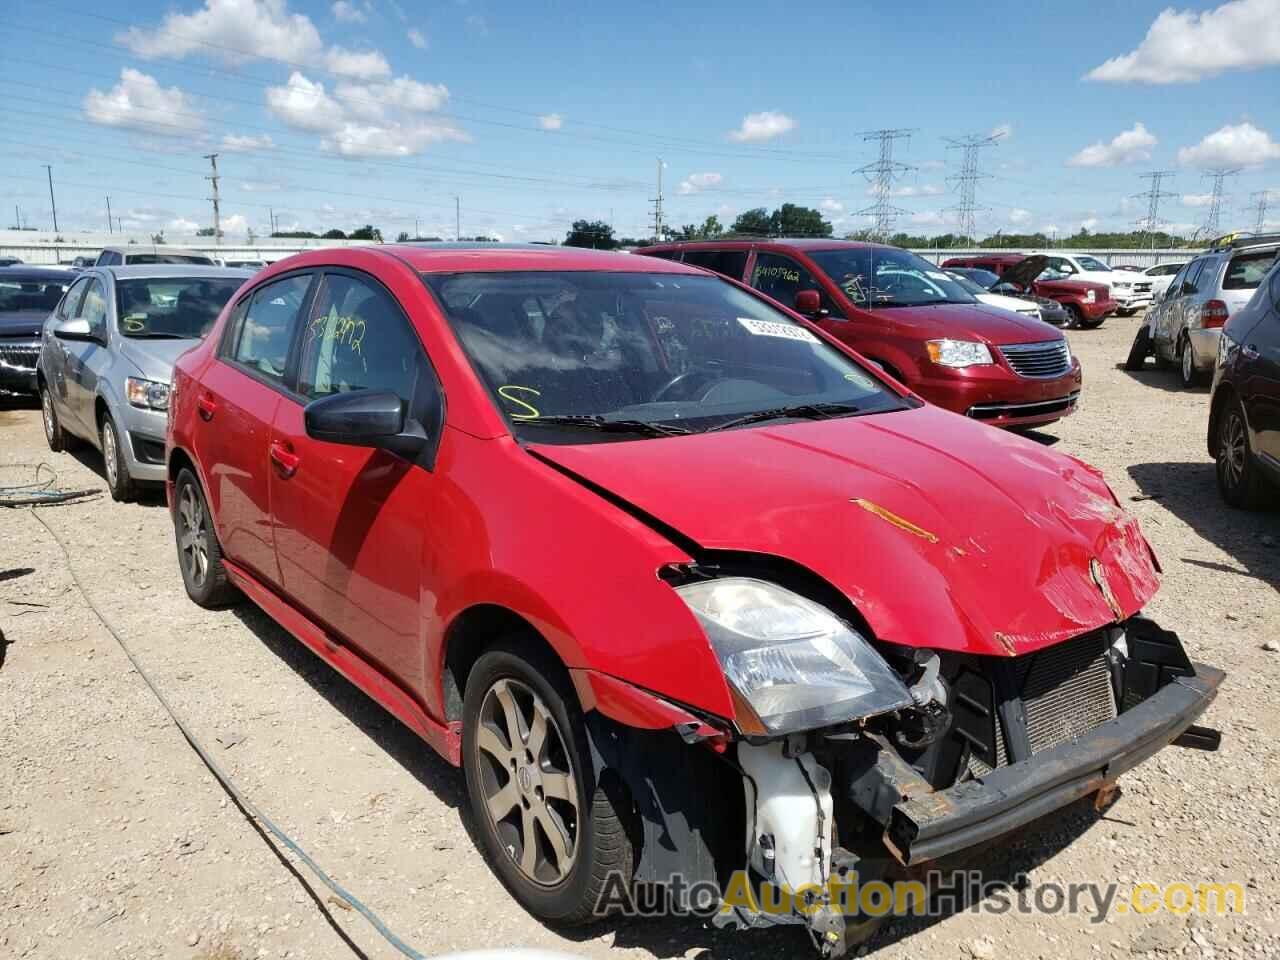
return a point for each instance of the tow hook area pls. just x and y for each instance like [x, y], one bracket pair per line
[789, 829]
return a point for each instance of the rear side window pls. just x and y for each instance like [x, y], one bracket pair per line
[731, 263]
[1191, 284]
[262, 342]
[664, 254]
[357, 338]
[1246, 271]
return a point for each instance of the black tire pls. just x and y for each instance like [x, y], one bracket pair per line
[119, 482]
[1240, 481]
[565, 893]
[53, 432]
[206, 582]
[1187, 372]
[1140, 350]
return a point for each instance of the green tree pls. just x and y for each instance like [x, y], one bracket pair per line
[367, 232]
[792, 220]
[334, 234]
[590, 233]
[755, 221]
[402, 237]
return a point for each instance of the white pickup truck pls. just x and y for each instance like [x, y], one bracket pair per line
[1131, 290]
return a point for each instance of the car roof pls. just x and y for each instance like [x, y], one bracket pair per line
[795, 243]
[483, 257]
[24, 271]
[158, 271]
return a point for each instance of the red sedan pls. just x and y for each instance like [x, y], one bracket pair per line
[689, 590]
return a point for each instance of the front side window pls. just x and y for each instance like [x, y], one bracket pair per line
[262, 342]
[1246, 270]
[94, 309]
[357, 338]
[782, 278]
[172, 307]
[70, 306]
[1092, 265]
[688, 352]
[874, 277]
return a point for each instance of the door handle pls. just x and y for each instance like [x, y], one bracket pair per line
[1250, 352]
[285, 459]
[206, 407]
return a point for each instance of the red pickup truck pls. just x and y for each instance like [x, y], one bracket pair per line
[1088, 303]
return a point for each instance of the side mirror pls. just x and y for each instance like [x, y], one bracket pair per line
[76, 329]
[809, 304]
[363, 418]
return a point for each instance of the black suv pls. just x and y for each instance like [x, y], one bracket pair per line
[1244, 415]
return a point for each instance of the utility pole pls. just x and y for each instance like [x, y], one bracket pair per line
[881, 174]
[457, 217]
[217, 217]
[416, 232]
[1212, 221]
[1153, 196]
[1262, 197]
[271, 213]
[109, 230]
[966, 180]
[49, 170]
[657, 206]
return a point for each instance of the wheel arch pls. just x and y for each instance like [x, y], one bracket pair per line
[1225, 394]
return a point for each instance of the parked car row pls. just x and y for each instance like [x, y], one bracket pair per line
[451, 471]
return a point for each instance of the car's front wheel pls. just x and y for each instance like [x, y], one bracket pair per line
[1239, 480]
[1140, 350]
[119, 481]
[199, 553]
[551, 832]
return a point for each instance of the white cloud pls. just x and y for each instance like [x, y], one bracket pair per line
[699, 181]
[345, 11]
[929, 218]
[932, 164]
[360, 64]
[923, 190]
[831, 205]
[1049, 228]
[236, 223]
[399, 139]
[1196, 199]
[305, 105]
[1241, 145]
[230, 30]
[758, 127]
[1129, 146]
[1019, 215]
[550, 121]
[1183, 46]
[373, 101]
[138, 102]
[183, 226]
[478, 24]
[246, 143]
[417, 38]
[253, 186]
[1003, 131]
[1088, 223]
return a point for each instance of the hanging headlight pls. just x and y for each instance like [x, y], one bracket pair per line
[794, 664]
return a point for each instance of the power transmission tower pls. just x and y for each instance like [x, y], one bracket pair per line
[966, 180]
[657, 206]
[1212, 221]
[1151, 222]
[881, 174]
[1262, 198]
[217, 214]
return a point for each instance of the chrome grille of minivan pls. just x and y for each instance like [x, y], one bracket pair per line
[1045, 360]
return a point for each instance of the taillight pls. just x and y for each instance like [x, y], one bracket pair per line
[1213, 314]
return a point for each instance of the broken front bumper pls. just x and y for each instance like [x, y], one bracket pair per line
[930, 825]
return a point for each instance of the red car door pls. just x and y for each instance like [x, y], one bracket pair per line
[351, 521]
[237, 401]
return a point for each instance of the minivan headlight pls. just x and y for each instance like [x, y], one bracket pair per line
[147, 393]
[958, 353]
[791, 661]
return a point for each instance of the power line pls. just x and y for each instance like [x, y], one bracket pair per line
[1153, 196]
[967, 179]
[1212, 221]
[881, 174]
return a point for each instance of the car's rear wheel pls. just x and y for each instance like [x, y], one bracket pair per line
[552, 834]
[53, 432]
[199, 553]
[1140, 350]
[1239, 480]
[119, 482]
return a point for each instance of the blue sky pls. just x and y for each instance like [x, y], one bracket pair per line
[537, 113]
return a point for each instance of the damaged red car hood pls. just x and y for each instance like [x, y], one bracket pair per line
[943, 532]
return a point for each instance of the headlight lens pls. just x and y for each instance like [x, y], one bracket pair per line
[1091, 296]
[794, 663]
[958, 353]
[147, 393]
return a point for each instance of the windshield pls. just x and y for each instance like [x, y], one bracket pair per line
[172, 307]
[1092, 265]
[690, 351]
[966, 284]
[888, 277]
[30, 294]
[983, 278]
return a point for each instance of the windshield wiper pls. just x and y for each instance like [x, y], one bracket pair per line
[805, 411]
[608, 426]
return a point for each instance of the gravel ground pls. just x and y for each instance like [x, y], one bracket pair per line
[115, 841]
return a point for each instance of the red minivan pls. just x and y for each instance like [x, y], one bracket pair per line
[912, 320]
[695, 596]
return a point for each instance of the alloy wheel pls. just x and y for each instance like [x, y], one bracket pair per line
[193, 536]
[1233, 449]
[1188, 363]
[527, 780]
[46, 408]
[109, 452]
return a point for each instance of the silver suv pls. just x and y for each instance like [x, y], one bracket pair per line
[1183, 325]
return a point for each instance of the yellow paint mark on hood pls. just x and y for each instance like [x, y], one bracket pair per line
[900, 522]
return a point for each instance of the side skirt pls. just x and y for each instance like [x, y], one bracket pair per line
[445, 739]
